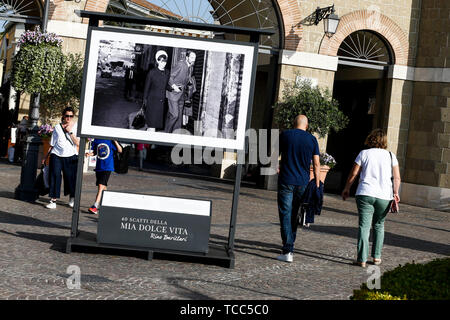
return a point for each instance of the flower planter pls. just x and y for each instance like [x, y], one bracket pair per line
[43, 149]
[323, 172]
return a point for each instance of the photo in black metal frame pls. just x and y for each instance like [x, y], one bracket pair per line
[143, 86]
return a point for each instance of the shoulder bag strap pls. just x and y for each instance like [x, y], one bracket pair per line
[392, 173]
[65, 135]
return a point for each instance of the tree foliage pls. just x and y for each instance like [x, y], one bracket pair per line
[301, 97]
[429, 281]
[38, 66]
[69, 95]
[41, 67]
[38, 69]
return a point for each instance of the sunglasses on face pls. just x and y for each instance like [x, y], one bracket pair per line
[68, 116]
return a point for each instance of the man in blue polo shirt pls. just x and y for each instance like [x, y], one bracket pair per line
[104, 150]
[297, 148]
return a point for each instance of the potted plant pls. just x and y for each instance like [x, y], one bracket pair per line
[38, 66]
[327, 162]
[324, 115]
[45, 132]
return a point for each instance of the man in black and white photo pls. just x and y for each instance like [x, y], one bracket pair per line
[179, 78]
[129, 82]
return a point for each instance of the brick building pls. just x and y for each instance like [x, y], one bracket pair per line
[387, 64]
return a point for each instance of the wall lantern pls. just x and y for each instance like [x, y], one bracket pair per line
[330, 20]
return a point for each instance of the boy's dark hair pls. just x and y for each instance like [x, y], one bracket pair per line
[70, 109]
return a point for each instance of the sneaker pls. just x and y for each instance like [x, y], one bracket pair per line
[71, 202]
[51, 205]
[93, 210]
[288, 257]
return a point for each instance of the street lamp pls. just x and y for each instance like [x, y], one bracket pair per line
[330, 20]
[26, 190]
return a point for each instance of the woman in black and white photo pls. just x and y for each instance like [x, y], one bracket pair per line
[155, 92]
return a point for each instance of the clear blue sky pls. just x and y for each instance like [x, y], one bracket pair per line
[187, 8]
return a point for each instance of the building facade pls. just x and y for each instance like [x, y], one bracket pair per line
[387, 64]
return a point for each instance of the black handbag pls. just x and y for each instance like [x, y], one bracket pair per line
[40, 184]
[138, 121]
[121, 160]
[394, 203]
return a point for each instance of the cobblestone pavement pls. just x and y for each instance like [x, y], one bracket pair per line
[33, 262]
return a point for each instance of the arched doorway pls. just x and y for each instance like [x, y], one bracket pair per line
[360, 86]
[258, 14]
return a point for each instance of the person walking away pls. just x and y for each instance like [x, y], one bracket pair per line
[63, 153]
[376, 167]
[104, 150]
[297, 148]
[142, 150]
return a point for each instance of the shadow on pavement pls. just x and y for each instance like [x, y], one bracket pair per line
[11, 218]
[355, 214]
[276, 249]
[194, 295]
[221, 189]
[351, 213]
[58, 242]
[7, 194]
[390, 239]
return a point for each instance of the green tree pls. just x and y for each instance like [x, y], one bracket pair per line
[69, 94]
[301, 97]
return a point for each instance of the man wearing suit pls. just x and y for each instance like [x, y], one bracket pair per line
[179, 78]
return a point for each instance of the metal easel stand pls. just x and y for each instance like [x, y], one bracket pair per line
[223, 254]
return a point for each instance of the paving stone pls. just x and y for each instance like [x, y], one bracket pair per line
[33, 262]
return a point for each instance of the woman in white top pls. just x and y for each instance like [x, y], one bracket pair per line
[63, 157]
[376, 189]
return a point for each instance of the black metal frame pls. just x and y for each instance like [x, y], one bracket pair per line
[216, 253]
[322, 13]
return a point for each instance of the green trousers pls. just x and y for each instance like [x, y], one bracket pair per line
[372, 213]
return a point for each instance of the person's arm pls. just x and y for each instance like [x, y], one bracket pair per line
[76, 141]
[48, 153]
[69, 129]
[316, 168]
[351, 178]
[397, 180]
[118, 146]
[316, 161]
[173, 74]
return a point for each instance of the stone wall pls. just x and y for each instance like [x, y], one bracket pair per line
[386, 14]
[428, 152]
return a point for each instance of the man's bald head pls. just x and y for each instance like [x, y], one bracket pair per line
[301, 122]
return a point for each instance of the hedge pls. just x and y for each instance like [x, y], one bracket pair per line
[430, 281]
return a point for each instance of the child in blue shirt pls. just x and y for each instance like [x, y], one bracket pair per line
[104, 150]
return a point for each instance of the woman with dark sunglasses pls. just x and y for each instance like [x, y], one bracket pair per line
[63, 153]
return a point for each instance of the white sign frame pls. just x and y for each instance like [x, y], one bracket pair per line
[96, 34]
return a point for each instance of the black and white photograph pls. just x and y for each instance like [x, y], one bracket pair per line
[160, 88]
